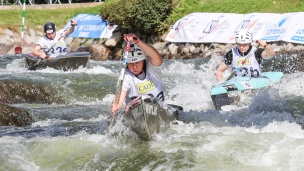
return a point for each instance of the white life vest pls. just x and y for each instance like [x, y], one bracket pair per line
[251, 67]
[150, 86]
[47, 43]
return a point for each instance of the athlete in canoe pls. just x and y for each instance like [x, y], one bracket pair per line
[52, 43]
[142, 75]
[244, 59]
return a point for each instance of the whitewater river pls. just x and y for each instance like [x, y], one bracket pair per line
[267, 135]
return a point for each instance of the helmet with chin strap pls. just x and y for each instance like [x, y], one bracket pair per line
[243, 37]
[49, 27]
[135, 54]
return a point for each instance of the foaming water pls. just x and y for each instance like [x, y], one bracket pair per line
[265, 135]
[193, 80]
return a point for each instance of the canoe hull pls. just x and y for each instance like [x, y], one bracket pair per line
[220, 94]
[65, 61]
[146, 117]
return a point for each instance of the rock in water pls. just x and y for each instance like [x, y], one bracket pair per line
[99, 52]
[14, 116]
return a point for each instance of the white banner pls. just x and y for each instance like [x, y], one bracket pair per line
[254, 22]
[276, 28]
[201, 27]
[295, 33]
[222, 27]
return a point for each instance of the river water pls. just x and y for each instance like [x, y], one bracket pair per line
[265, 135]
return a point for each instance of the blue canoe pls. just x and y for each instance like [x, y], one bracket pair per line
[219, 93]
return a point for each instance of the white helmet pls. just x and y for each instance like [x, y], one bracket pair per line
[135, 54]
[243, 37]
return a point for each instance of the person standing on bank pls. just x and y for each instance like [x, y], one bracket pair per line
[245, 56]
[140, 72]
[52, 38]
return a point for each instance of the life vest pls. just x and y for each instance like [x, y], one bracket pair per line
[251, 67]
[47, 43]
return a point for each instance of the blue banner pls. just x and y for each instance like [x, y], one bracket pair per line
[91, 26]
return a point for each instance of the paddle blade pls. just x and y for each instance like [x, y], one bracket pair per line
[18, 50]
[34, 65]
[220, 100]
[231, 75]
[112, 121]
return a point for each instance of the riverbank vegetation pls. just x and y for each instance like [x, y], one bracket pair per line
[156, 16]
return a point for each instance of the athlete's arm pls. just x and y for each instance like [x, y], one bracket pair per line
[219, 71]
[115, 107]
[148, 49]
[268, 51]
[37, 52]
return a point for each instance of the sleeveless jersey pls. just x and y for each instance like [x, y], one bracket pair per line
[251, 67]
[47, 43]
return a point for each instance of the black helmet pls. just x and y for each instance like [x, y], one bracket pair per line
[49, 27]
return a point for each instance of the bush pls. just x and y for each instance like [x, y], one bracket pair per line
[142, 16]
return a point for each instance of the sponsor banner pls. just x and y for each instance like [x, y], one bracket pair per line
[296, 33]
[277, 27]
[254, 22]
[201, 27]
[91, 26]
[222, 27]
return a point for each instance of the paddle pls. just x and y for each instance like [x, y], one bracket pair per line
[38, 61]
[238, 68]
[119, 82]
[18, 49]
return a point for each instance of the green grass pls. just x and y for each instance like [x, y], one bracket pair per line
[186, 7]
[34, 17]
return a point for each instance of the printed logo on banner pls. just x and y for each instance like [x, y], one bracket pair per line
[245, 24]
[212, 26]
[180, 25]
[283, 21]
[276, 32]
[299, 36]
[91, 26]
